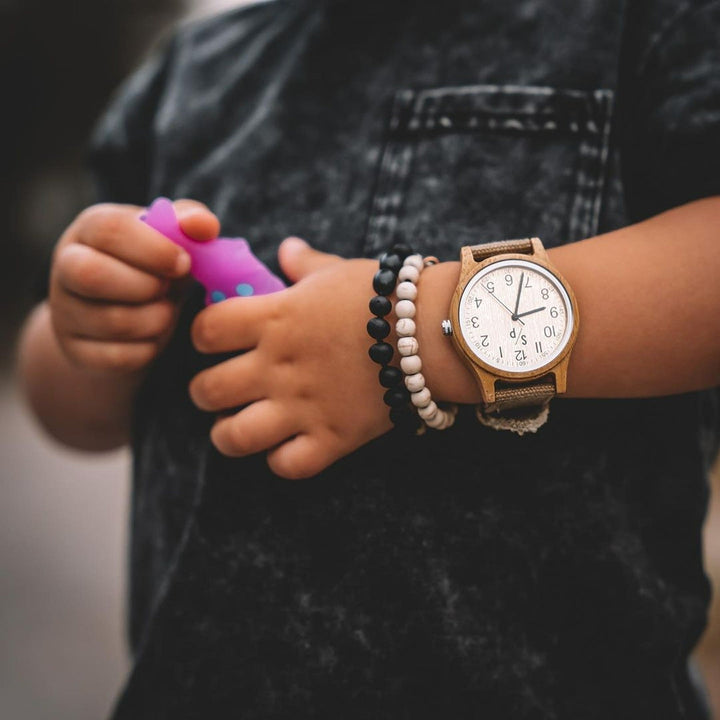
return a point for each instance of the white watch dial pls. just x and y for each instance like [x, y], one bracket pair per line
[515, 316]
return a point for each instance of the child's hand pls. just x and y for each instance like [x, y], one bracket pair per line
[109, 285]
[311, 392]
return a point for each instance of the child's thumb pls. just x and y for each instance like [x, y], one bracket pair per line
[196, 220]
[298, 259]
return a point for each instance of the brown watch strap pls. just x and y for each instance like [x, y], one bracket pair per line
[482, 252]
[522, 395]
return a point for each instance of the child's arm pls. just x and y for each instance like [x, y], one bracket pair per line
[85, 350]
[649, 300]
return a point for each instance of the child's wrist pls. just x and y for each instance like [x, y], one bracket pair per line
[444, 371]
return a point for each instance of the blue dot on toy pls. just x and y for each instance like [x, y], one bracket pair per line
[244, 289]
[217, 296]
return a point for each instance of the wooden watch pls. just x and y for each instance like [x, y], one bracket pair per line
[514, 321]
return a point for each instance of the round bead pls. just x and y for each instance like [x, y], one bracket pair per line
[378, 328]
[391, 261]
[429, 411]
[402, 416]
[390, 376]
[440, 421]
[416, 261]
[415, 383]
[405, 327]
[436, 421]
[411, 364]
[406, 291]
[402, 250]
[408, 272]
[396, 396]
[381, 353]
[421, 398]
[449, 421]
[380, 306]
[384, 282]
[405, 309]
[408, 346]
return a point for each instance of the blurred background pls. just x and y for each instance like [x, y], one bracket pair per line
[63, 515]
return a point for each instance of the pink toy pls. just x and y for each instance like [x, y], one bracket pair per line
[225, 266]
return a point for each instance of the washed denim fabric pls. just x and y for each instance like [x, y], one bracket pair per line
[463, 574]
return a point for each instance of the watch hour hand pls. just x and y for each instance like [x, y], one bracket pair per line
[530, 312]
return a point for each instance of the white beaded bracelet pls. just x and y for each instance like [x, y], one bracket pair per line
[408, 347]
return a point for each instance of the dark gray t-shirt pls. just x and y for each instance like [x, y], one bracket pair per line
[462, 574]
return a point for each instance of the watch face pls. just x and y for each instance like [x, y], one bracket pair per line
[515, 316]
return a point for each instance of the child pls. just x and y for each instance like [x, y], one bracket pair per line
[465, 572]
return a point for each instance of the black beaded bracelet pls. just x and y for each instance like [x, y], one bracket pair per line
[396, 394]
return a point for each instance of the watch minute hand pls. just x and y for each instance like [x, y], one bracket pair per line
[517, 299]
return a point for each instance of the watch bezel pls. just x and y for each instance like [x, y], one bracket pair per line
[464, 284]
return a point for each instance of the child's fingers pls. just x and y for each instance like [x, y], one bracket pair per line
[86, 272]
[118, 357]
[229, 384]
[234, 324]
[298, 259]
[301, 457]
[118, 231]
[196, 220]
[257, 427]
[106, 321]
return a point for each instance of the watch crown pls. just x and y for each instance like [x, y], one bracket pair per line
[447, 327]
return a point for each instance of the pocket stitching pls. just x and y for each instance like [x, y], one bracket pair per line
[590, 180]
[393, 172]
[415, 113]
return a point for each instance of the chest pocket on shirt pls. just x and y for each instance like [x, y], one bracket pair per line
[480, 163]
